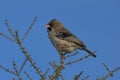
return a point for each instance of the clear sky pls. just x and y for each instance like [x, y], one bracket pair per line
[95, 22]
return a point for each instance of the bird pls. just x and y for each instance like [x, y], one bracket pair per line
[63, 40]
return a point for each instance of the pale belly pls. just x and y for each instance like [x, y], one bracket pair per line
[65, 46]
[62, 45]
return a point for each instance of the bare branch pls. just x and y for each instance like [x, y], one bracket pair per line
[106, 67]
[109, 74]
[27, 55]
[53, 64]
[28, 76]
[22, 66]
[46, 72]
[77, 60]
[56, 73]
[57, 67]
[17, 38]
[16, 71]
[86, 77]
[9, 29]
[30, 27]
[18, 41]
[7, 70]
[74, 54]
[77, 77]
[7, 37]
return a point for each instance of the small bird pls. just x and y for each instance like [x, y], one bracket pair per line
[63, 40]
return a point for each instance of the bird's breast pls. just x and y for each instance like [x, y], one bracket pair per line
[62, 45]
[65, 46]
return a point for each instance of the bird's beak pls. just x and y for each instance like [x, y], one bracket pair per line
[47, 26]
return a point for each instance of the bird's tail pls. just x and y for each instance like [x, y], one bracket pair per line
[90, 52]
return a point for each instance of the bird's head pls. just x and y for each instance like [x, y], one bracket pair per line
[54, 24]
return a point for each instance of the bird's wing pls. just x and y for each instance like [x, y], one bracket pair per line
[64, 34]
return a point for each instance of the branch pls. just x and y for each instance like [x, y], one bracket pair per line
[16, 71]
[57, 69]
[7, 70]
[17, 40]
[9, 29]
[77, 60]
[110, 72]
[71, 55]
[27, 55]
[22, 66]
[46, 72]
[77, 76]
[106, 67]
[7, 37]
[56, 73]
[28, 76]
[30, 27]
[86, 77]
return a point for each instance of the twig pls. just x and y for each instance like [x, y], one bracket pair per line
[77, 60]
[46, 72]
[9, 29]
[107, 69]
[71, 55]
[86, 77]
[16, 71]
[62, 77]
[109, 74]
[77, 77]
[56, 73]
[19, 42]
[23, 64]
[62, 58]
[28, 76]
[57, 68]
[7, 37]
[7, 70]
[27, 55]
[30, 27]
[54, 65]
[17, 38]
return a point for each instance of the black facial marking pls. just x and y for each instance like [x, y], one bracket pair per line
[49, 29]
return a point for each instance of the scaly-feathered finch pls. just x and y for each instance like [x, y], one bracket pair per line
[63, 40]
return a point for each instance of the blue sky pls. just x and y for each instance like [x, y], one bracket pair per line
[95, 22]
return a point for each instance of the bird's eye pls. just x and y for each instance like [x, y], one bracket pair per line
[49, 29]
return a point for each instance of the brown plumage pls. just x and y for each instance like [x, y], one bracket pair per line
[63, 40]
